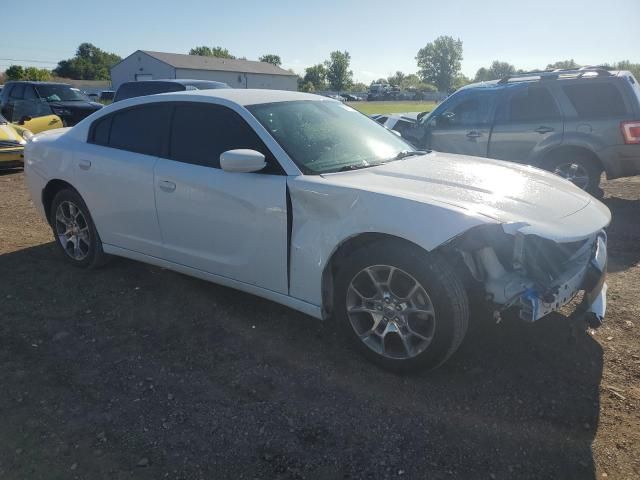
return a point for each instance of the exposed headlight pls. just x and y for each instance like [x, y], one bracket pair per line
[26, 134]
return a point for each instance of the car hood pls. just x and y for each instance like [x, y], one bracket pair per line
[502, 191]
[9, 134]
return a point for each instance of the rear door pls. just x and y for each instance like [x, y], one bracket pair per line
[229, 224]
[528, 121]
[463, 123]
[115, 175]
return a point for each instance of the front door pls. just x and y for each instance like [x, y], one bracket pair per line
[463, 123]
[229, 224]
[528, 121]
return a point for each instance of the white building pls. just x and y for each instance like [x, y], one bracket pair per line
[146, 65]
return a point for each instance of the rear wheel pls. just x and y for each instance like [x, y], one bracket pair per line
[74, 230]
[580, 170]
[403, 308]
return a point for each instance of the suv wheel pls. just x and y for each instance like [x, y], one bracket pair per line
[582, 171]
[403, 308]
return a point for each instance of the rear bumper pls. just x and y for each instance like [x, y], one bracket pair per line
[621, 160]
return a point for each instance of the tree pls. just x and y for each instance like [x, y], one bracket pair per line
[497, 70]
[634, 68]
[396, 79]
[205, 51]
[272, 59]
[15, 72]
[37, 74]
[563, 64]
[439, 61]
[460, 81]
[89, 63]
[358, 87]
[316, 75]
[338, 74]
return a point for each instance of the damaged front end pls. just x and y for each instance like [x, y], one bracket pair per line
[535, 275]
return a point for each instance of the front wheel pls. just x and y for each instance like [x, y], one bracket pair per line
[403, 308]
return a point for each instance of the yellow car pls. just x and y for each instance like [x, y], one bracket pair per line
[13, 136]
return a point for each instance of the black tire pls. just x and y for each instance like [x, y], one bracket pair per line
[556, 163]
[90, 246]
[442, 285]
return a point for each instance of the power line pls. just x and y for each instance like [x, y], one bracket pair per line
[27, 60]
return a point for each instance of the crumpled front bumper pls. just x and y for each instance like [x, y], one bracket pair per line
[591, 278]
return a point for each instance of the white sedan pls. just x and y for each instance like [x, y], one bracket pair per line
[302, 200]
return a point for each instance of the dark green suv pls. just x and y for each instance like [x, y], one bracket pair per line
[576, 123]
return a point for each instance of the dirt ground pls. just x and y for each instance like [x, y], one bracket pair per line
[132, 371]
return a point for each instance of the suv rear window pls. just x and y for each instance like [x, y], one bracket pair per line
[594, 100]
[138, 89]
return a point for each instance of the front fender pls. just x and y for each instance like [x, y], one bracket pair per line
[324, 216]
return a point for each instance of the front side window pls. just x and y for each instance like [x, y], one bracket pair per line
[201, 132]
[596, 100]
[60, 93]
[466, 109]
[142, 129]
[326, 136]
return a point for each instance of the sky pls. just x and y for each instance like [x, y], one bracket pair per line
[381, 36]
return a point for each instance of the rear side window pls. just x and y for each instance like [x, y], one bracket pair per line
[532, 104]
[142, 129]
[595, 100]
[17, 93]
[138, 89]
[201, 132]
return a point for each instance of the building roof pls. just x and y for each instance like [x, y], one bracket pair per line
[197, 62]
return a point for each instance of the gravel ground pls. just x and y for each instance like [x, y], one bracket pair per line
[132, 371]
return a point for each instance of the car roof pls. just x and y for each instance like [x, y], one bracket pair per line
[531, 77]
[248, 96]
[181, 81]
[38, 83]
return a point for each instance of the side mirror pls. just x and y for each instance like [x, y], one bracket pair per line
[242, 161]
[25, 119]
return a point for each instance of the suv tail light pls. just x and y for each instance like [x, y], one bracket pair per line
[631, 132]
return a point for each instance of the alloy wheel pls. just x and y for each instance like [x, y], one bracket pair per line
[72, 230]
[574, 172]
[390, 312]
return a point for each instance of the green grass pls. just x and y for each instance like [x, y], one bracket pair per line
[370, 108]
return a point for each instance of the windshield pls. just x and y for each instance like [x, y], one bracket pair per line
[60, 93]
[326, 136]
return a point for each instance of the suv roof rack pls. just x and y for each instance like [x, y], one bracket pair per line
[557, 73]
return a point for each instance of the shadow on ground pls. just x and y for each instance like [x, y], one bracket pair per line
[623, 232]
[134, 371]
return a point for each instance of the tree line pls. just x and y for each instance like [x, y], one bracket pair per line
[438, 68]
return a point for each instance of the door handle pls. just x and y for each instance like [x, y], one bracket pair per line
[167, 186]
[84, 164]
[543, 129]
[473, 134]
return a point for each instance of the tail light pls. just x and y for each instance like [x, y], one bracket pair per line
[631, 132]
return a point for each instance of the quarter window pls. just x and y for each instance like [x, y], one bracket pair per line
[201, 132]
[596, 100]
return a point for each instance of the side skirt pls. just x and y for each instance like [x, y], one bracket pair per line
[301, 306]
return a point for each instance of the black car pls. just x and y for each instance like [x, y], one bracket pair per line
[69, 103]
[151, 87]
